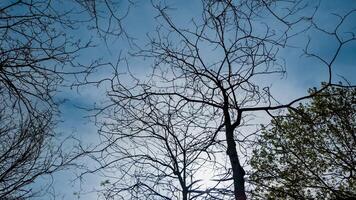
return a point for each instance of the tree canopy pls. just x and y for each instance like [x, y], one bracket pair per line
[309, 153]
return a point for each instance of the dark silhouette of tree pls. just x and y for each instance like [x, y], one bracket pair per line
[27, 152]
[310, 152]
[156, 151]
[214, 67]
[38, 52]
[33, 52]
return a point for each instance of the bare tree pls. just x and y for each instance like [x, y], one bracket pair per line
[156, 149]
[27, 152]
[217, 66]
[37, 52]
[33, 52]
[35, 48]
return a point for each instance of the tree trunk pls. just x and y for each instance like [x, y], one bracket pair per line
[238, 172]
[185, 194]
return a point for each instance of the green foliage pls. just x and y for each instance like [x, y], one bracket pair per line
[309, 153]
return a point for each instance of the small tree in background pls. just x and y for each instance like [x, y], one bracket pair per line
[310, 153]
[157, 149]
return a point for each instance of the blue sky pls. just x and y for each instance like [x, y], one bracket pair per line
[302, 73]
